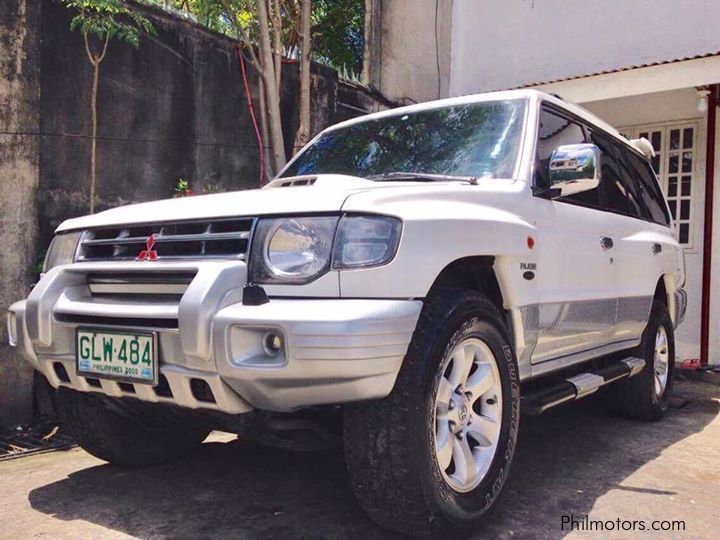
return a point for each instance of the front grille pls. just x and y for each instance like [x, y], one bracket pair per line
[227, 238]
[129, 285]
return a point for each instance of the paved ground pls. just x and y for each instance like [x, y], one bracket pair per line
[576, 460]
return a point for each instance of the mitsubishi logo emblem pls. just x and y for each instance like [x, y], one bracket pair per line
[148, 254]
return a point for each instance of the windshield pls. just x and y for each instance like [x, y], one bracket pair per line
[473, 139]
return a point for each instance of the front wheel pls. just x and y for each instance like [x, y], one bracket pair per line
[432, 457]
[128, 432]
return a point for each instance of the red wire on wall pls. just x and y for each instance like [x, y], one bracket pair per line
[251, 109]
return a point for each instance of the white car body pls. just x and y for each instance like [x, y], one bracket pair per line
[567, 296]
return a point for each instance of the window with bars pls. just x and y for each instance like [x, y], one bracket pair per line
[674, 163]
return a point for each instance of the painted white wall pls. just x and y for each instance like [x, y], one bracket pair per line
[499, 44]
[408, 58]
[645, 109]
[634, 82]
[666, 107]
[715, 281]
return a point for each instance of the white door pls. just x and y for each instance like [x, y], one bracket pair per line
[631, 198]
[575, 279]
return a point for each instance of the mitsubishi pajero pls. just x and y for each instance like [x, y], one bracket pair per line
[409, 284]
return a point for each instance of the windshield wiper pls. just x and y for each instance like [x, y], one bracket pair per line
[421, 177]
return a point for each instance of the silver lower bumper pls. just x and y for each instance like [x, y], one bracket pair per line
[333, 350]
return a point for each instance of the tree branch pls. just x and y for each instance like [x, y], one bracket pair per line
[104, 49]
[292, 16]
[247, 44]
[87, 48]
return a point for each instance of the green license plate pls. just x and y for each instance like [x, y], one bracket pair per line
[122, 356]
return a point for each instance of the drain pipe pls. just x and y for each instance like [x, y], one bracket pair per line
[708, 229]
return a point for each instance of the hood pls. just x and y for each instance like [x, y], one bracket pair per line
[326, 194]
[299, 195]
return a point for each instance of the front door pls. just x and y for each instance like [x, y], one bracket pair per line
[575, 313]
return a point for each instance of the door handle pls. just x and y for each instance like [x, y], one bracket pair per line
[606, 242]
[656, 248]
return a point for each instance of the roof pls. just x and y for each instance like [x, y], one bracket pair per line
[523, 93]
[618, 70]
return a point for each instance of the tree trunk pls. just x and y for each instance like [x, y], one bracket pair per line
[277, 44]
[303, 133]
[93, 141]
[264, 130]
[372, 35]
[272, 92]
[95, 60]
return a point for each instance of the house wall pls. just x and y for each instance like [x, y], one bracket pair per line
[499, 44]
[714, 353]
[664, 108]
[407, 56]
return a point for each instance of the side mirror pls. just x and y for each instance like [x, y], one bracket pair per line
[574, 168]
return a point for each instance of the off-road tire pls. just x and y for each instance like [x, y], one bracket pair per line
[389, 444]
[128, 432]
[636, 397]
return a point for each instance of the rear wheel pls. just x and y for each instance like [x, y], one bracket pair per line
[128, 432]
[432, 457]
[646, 396]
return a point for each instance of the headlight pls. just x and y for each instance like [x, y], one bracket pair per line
[300, 250]
[292, 250]
[364, 241]
[62, 250]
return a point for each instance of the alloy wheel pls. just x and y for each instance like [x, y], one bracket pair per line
[468, 414]
[662, 361]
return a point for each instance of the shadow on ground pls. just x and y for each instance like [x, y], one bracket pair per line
[565, 460]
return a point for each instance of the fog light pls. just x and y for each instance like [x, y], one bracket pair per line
[272, 343]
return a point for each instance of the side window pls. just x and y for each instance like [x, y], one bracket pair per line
[650, 193]
[618, 192]
[554, 130]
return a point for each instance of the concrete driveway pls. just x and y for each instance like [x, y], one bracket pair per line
[575, 460]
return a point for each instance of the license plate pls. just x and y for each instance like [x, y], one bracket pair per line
[122, 356]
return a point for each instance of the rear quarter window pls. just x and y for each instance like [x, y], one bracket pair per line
[650, 192]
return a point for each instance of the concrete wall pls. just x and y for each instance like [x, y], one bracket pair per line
[498, 44]
[172, 109]
[19, 149]
[408, 48]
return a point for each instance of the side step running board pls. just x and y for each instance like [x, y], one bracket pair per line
[581, 385]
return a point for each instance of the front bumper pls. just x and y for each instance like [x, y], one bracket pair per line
[211, 346]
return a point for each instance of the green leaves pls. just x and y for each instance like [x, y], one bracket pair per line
[108, 19]
[338, 34]
[337, 26]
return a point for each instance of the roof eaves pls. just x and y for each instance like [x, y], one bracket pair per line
[618, 70]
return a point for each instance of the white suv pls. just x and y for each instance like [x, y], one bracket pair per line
[423, 274]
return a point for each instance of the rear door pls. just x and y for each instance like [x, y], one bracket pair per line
[635, 245]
